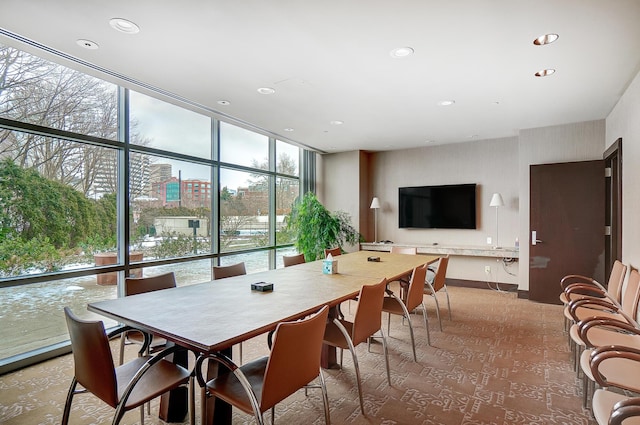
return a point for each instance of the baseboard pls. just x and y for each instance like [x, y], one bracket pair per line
[506, 287]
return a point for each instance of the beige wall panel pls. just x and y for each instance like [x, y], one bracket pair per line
[341, 186]
[491, 164]
[624, 121]
[563, 143]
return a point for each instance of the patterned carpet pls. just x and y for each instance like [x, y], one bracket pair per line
[502, 360]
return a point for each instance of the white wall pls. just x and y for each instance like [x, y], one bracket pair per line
[624, 122]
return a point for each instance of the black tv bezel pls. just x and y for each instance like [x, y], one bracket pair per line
[472, 212]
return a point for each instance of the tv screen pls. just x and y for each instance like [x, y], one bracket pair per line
[438, 207]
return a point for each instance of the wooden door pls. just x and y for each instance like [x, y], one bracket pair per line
[567, 225]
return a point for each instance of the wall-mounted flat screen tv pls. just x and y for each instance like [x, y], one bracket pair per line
[438, 207]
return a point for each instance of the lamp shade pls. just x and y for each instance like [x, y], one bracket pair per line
[496, 200]
[375, 203]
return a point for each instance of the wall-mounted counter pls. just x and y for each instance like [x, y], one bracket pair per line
[459, 250]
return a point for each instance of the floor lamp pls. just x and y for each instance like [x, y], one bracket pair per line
[496, 201]
[375, 205]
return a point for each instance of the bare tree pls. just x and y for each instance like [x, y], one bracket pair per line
[41, 92]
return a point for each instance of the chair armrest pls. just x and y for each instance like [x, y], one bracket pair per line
[150, 362]
[585, 289]
[147, 337]
[229, 364]
[585, 326]
[604, 353]
[593, 303]
[577, 278]
[625, 409]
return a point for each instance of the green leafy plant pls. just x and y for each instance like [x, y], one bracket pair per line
[316, 228]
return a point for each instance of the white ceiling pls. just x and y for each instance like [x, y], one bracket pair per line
[329, 60]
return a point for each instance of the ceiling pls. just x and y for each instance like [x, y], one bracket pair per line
[330, 61]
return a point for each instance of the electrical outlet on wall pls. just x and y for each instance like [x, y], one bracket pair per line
[489, 240]
[487, 269]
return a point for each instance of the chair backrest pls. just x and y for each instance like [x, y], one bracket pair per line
[416, 287]
[616, 280]
[92, 358]
[333, 251]
[441, 273]
[404, 250]
[294, 360]
[367, 319]
[292, 260]
[220, 272]
[139, 285]
[631, 295]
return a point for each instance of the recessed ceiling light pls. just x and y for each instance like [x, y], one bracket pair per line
[336, 122]
[545, 39]
[429, 141]
[496, 103]
[401, 52]
[288, 129]
[266, 90]
[224, 102]
[545, 72]
[87, 44]
[446, 102]
[124, 25]
[473, 136]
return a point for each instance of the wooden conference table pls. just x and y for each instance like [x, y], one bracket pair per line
[213, 316]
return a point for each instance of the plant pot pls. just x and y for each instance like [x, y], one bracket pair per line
[107, 258]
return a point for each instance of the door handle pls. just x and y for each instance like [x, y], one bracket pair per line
[534, 238]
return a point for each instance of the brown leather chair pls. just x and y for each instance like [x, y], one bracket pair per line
[597, 332]
[439, 283]
[404, 280]
[220, 272]
[333, 251]
[343, 334]
[124, 387]
[576, 287]
[392, 304]
[583, 309]
[294, 362]
[292, 260]
[615, 368]
[134, 286]
[403, 250]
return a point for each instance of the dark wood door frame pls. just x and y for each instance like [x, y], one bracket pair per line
[613, 204]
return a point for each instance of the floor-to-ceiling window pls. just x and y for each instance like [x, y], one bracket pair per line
[99, 182]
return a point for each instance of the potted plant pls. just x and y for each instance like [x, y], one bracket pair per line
[316, 228]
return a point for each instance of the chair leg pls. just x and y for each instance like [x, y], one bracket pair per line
[386, 355]
[448, 301]
[192, 400]
[325, 399]
[438, 310]
[413, 342]
[388, 323]
[357, 369]
[142, 414]
[122, 344]
[347, 338]
[67, 405]
[426, 324]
